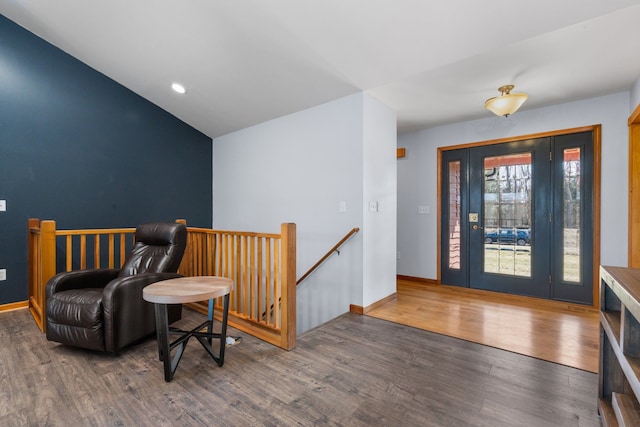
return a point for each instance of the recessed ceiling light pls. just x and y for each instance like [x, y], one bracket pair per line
[178, 88]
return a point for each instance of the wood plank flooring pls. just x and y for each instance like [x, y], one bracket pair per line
[352, 371]
[558, 332]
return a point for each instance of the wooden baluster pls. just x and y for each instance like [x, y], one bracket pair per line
[199, 258]
[233, 258]
[96, 251]
[277, 282]
[252, 287]
[268, 283]
[83, 252]
[69, 253]
[123, 245]
[208, 255]
[243, 266]
[111, 250]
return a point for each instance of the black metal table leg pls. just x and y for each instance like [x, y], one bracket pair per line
[210, 318]
[223, 332]
[205, 338]
[164, 347]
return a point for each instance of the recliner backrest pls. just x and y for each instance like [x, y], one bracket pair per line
[158, 249]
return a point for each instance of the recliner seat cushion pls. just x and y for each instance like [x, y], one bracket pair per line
[75, 316]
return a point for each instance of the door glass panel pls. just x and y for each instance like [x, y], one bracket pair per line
[454, 215]
[571, 215]
[507, 214]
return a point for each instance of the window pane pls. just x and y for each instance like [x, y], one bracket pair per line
[454, 215]
[571, 215]
[507, 214]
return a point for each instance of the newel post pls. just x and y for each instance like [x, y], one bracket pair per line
[42, 266]
[186, 258]
[48, 245]
[35, 303]
[288, 236]
[33, 225]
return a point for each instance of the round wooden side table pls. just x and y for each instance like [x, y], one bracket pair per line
[185, 290]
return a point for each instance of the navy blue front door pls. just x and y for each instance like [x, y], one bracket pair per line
[517, 217]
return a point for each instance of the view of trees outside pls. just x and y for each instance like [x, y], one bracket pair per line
[507, 191]
[571, 215]
[507, 205]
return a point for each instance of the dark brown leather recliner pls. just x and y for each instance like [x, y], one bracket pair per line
[103, 309]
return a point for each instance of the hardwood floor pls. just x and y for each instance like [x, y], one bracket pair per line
[352, 371]
[557, 332]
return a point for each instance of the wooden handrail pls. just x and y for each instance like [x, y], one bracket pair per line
[328, 254]
[95, 231]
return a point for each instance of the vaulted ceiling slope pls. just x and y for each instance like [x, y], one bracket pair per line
[246, 62]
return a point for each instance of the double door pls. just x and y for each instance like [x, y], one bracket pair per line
[518, 217]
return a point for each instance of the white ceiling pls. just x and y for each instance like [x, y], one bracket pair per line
[246, 62]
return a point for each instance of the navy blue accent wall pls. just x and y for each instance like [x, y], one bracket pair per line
[81, 149]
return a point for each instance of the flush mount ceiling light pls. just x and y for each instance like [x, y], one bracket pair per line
[177, 87]
[507, 103]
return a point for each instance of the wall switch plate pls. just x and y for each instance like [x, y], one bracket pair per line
[342, 207]
[373, 206]
[3, 205]
[3, 274]
[423, 209]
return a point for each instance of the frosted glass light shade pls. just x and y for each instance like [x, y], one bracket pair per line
[507, 103]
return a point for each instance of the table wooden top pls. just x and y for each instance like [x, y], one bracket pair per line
[187, 289]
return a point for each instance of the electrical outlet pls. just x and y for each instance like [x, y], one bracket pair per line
[423, 209]
[3, 274]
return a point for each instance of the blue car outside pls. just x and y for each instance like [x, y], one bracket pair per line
[519, 236]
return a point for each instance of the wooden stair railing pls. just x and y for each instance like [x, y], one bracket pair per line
[263, 267]
[328, 254]
[274, 307]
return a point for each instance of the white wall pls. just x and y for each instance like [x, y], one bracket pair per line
[380, 201]
[417, 173]
[298, 168]
[635, 94]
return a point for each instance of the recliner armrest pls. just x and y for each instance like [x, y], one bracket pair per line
[122, 287]
[124, 306]
[80, 279]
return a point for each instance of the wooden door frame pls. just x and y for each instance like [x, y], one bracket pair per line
[597, 136]
[634, 183]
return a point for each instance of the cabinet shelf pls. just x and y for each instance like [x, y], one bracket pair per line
[619, 377]
[610, 320]
[607, 415]
[626, 409]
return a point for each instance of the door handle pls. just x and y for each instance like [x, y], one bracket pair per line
[475, 227]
